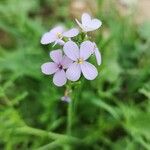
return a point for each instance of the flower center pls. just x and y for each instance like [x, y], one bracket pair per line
[60, 66]
[59, 35]
[80, 61]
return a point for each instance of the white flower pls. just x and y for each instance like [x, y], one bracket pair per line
[56, 35]
[88, 24]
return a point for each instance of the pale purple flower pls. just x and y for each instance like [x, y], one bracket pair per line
[79, 56]
[66, 99]
[57, 67]
[56, 35]
[97, 54]
[88, 24]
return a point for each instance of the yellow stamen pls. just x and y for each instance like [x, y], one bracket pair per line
[80, 61]
[59, 35]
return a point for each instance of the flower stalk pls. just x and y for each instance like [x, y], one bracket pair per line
[70, 62]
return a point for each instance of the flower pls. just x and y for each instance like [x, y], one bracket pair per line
[79, 56]
[97, 54]
[57, 67]
[56, 35]
[66, 99]
[87, 24]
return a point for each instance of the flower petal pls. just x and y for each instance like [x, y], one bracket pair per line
[59, 78]
[71, 33]
[89, 71]
[48, 38]
[56, 56]
[98, 56]
[66, 99]
[86, 19]
[58, 41]
[57, 29]
[73, 73]
[95, 24]
[66, 62]
[71, 50]
[86, 49]
[49, 68]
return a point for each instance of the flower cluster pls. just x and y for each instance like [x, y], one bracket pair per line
[72, 60]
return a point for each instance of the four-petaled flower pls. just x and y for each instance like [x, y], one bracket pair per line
[79, 56]
[56, 35]
[87, 24]
[57, 67]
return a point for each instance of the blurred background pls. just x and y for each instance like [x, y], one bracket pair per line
[111, 113]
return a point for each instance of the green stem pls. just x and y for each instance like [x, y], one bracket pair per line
[42, 133]
[69, 119]
[69, 123]
[52, 145]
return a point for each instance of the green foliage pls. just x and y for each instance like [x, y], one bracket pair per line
[111, 112]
